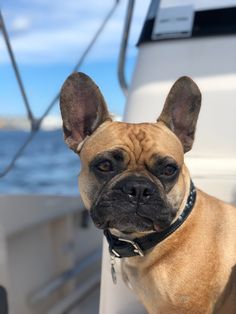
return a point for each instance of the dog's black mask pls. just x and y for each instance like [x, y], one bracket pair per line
[133, 204]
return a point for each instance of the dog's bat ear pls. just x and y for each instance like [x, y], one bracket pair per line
[181, 110]
[83, 109]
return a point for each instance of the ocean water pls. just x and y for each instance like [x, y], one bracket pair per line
[46, 167]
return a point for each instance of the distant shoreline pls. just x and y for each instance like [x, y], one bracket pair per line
[23, 124]
[21, 130]
[50, 123]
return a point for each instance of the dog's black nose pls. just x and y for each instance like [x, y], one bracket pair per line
[138, 190]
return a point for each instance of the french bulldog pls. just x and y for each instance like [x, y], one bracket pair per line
[177, 244]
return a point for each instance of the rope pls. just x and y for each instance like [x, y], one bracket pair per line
[34, 122]
[15, 68]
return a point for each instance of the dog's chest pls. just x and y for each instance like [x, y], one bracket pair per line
[141, 284]
[130, 274]
[155, 291]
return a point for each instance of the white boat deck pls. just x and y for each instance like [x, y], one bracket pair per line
[48, 260]
[90, 305]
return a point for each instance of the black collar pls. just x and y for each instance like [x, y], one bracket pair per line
[120, 247]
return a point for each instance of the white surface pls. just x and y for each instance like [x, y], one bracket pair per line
[212, 168]
[78, 294]
[40, 237]
[89, 305]
[18, 212]
[211, 63]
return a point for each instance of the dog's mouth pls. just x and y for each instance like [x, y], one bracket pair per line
[128, 224]
[146, 225]
[132, 222]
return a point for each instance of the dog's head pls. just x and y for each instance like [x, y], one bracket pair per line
[132, 175]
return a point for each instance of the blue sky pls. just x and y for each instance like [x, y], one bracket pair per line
[49, 36]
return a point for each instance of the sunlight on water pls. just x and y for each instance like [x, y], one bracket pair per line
[46, 167]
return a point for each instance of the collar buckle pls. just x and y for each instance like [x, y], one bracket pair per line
[114, 253]
[136, 247]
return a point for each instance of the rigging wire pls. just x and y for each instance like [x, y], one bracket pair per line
[34, 122]
[15, 68]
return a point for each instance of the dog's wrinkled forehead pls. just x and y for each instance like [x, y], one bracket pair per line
[140, 141]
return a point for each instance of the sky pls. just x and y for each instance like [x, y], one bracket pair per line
[48, 38]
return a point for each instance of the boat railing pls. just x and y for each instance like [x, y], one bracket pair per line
[123, 47]
[84, 265]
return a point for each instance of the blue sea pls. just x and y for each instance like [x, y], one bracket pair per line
[47, 166]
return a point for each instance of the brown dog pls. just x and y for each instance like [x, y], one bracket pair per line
[134, 182]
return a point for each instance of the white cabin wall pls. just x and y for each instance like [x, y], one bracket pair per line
[211, 63]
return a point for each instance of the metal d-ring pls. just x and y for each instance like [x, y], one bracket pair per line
[137, 248]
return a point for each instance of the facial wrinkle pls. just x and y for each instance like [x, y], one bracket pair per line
[137, 148]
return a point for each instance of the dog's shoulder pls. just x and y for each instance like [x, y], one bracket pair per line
[219, 216]
[213, 203]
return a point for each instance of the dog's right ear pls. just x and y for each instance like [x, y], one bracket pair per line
[83, 109]
[181, 109]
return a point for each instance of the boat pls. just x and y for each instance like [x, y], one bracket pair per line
[61, 274]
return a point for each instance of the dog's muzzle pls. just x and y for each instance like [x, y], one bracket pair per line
[133, 204]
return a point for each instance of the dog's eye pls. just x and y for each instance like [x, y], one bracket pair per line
[104, 166]
[169, 170]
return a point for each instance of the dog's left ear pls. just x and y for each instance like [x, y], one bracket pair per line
[181, 110]
[83, 109]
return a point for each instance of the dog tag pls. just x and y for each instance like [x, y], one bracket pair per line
[113, 274]
[113, 271]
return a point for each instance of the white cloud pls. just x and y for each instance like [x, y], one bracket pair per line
[21, 23]
[43, 31]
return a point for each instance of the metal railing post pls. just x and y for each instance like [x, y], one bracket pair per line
[123, 47]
